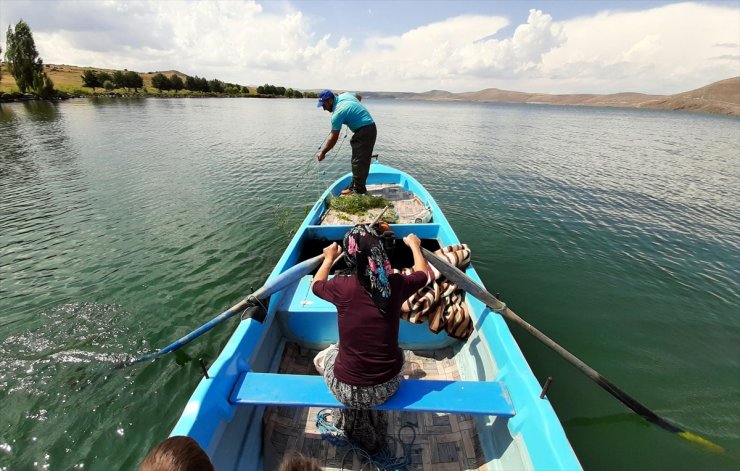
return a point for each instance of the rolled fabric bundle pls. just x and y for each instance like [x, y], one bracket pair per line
[458, 323]
[441, 302]
[416, 308]
[447, 288]
[458, 255]
[436, 316]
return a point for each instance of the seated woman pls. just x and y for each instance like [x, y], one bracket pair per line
[364, 369]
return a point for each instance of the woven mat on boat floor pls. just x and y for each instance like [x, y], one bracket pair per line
[444, 442]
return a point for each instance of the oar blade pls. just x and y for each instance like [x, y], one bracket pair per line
[711, 446]
[280, 282]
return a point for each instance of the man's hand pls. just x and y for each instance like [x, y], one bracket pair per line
[328, 145]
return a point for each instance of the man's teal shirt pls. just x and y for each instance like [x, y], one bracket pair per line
[348, 110]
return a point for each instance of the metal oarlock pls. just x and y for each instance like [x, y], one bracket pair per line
[203, 368]
[546, 387]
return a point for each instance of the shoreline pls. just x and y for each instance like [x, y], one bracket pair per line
[721, 97]
[62, 96]
[691, 105]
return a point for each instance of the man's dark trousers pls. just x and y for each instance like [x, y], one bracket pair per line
[362, 142]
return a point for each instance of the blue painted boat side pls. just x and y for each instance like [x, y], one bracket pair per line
[208, 411]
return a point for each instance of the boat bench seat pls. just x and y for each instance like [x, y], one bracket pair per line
[460, 397]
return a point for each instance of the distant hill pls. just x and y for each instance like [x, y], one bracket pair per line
[721, 97]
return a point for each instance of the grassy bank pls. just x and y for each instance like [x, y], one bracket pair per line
[68, 79]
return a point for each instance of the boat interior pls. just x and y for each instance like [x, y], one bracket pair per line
[304, 324]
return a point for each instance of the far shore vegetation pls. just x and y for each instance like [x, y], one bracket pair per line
[23, 75]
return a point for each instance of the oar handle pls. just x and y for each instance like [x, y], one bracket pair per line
[466, 283]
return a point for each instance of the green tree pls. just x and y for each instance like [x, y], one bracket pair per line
[289, 93]
[108, 85]
[118, 79]
[176, 82]
[21, 56]
[91, 80]
[42, 85]
[132, 80]
[161, 82]
[196, 84]
[104, 77]
[191, 83]
[231, 89]
[216, 86]
[1, 66]
[297, 94]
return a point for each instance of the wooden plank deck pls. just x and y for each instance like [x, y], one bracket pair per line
[444, 442]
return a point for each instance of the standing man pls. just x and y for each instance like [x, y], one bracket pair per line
[347, 109]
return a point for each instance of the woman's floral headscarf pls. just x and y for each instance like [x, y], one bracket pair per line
[365, 255]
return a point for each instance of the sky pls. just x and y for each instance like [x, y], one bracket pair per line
[544, 46]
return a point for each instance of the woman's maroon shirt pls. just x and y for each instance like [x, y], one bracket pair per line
[368, 339]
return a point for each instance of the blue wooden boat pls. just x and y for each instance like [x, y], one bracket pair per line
[482, 411]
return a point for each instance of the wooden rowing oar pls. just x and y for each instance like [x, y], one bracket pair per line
[286, 278]
[468, 284]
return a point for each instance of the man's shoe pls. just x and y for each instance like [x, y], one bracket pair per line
[348, 191]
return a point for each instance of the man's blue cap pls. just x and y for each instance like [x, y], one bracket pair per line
[323, 96]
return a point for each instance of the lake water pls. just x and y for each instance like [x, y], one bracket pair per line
[125, 224]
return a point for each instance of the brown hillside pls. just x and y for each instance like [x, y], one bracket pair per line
[494, 95]
[721, 97]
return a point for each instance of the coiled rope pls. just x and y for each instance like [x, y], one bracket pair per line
[383, 460]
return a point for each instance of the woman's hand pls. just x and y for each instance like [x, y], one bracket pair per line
[412, 241]
[332, 252]
[420, 263]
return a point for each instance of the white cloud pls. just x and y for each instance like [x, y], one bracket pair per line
[661, 50]
[667, 49]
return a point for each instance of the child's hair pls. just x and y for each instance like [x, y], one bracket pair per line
[295, 461]
[177, 454]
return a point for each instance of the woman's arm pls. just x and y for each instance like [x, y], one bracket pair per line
[331, 253]
[420, 263]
